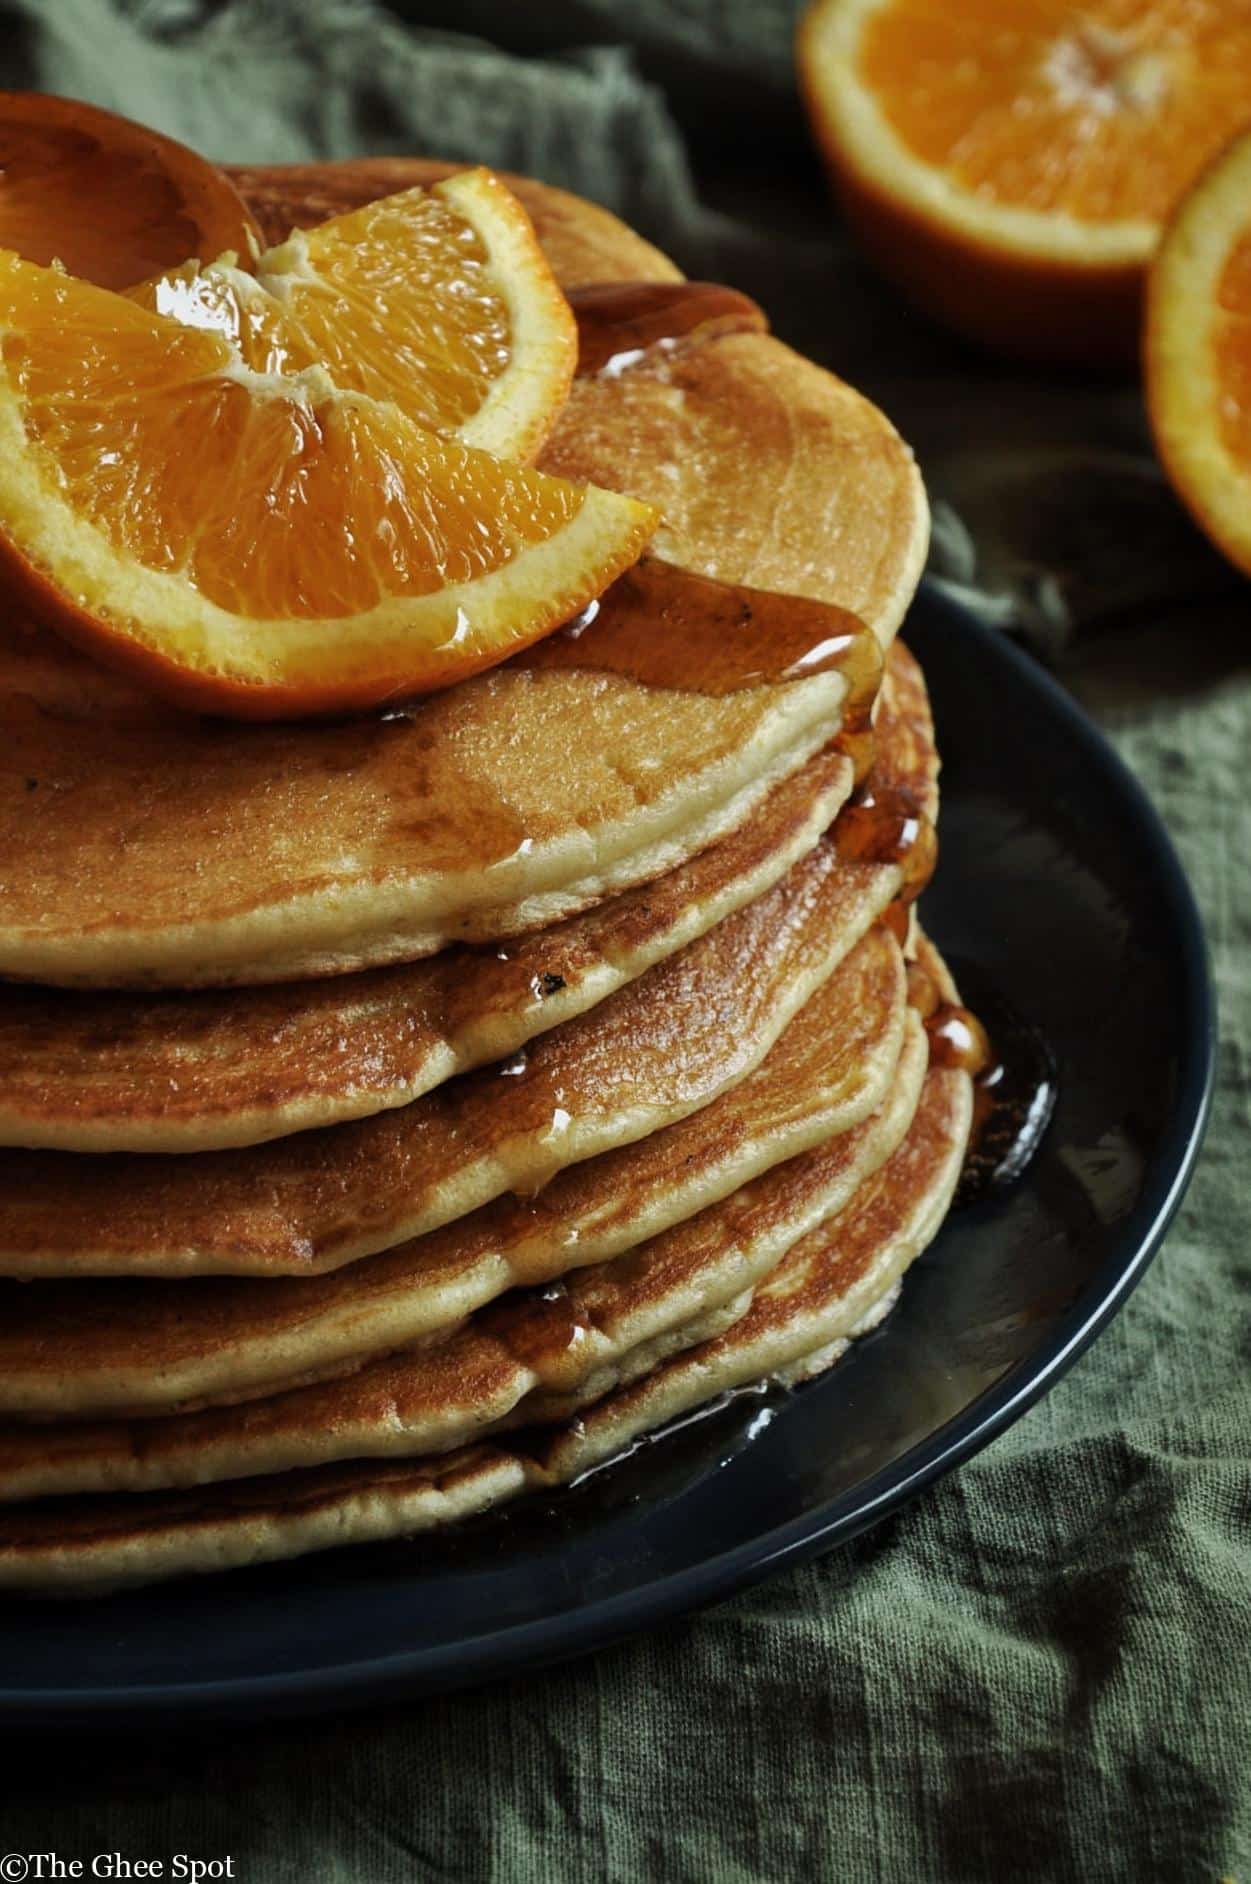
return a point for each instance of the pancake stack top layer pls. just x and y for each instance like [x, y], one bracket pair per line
[405, 1113]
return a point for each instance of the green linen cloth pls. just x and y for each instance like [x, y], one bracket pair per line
[1041, 1669]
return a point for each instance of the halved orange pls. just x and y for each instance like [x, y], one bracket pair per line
[440, 300]
[109, 199]
[263, 544]
[1011, 163]
[1198, 351]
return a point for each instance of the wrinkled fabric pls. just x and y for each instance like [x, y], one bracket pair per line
[1042, 1668]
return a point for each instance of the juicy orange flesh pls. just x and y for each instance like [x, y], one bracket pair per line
[109, 215]
[1105, 111]
[1231, 339]
[401, 307]
[271, 505]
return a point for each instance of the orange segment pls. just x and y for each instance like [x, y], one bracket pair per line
[439, 300]
[1011, 162]
[109, 199]
[1198, 351]
[259, 544]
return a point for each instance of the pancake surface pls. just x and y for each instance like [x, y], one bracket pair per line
[770, 470]
[96, 1071]
[88, 1071]
[654, 1052]
[579, 1338]
[483, 810]
[832, 1284]
[76, 1348]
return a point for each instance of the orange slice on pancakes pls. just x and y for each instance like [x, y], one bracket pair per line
[263, 544]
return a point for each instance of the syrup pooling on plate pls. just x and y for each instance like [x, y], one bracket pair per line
[663, 626]
[1013, 1074]
[1013, 1097]
[619, 322]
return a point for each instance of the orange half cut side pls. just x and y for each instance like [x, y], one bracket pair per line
[1012, 163]
[1198, 352]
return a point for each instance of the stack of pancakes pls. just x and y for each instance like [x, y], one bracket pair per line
[409, 1112]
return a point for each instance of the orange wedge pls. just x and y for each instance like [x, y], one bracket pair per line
[440, 300]
[259, 544]
[111, 201]
[1011, 163]
[1198, 352]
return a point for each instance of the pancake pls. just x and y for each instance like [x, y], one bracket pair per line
[833, 1284]
[140, 847]
[767, 469]
[659, 1049]
[77, 1348]
[582, 1338]
[93, 1071]
[90, 1071]
[461, 1223]
[507, 803]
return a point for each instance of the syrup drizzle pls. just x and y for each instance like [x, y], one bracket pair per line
[620, 322]
[547, 1334]
[885, 823]
[662, 626]
[957, 1038]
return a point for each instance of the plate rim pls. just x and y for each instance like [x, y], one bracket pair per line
[523, 1647]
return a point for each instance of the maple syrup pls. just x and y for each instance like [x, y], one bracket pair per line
[1013, 1073]
[663, 626]
[895, 918]
[621, 322]
[958, 1040]
[545, 1332]
[1014, 1096]
[957, 1037]
[885, 823]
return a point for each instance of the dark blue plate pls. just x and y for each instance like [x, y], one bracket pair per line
[1057, 883]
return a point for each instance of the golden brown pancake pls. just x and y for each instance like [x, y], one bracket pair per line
[832, 1284]
[821, 504]
[728, 1063]
[503, 1367]
[79, 1348]
[101, 1071]
[96, 1071]
[657, 1050]
[142, 847]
